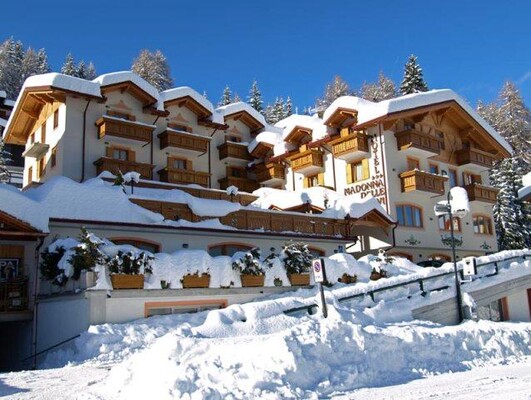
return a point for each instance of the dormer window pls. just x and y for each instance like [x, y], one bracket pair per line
[179, 127]
[233, 138]
[118, 114]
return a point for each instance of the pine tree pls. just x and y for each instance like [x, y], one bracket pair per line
[69, 66]
[333, 90]
[226, 97]
[255, 97]
[90, 73]
[154, 68]
[384, 89]
[236, 98]
[30, 64]
[413, 81]
[275, 112]
[4, 159]
[43, 66]
[11, 57]
[288, 110]
[81, 70]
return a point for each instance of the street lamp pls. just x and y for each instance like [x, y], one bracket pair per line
[456, 206]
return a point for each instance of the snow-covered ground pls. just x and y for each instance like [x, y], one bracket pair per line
[256, 351]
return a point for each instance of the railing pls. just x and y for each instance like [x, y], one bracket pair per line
[419, 140]
[243, 184]
[14, 295]
[422, 284]
[184, 176]
[486, 194]
[114, 165]
[270, 171]
[307, 159]
[124, 129]
[423, 181]
[474, 156]
[183, 140]
[352, 143]
[233, 150]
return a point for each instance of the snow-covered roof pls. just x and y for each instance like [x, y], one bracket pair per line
[184, 91]
[66, 82]
[312, 122]
[272, 136]
[233, 108]
[525, 191]
[16, 204]
[114, 78]
[369, 111]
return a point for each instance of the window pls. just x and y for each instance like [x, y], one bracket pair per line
[469, 178]
[179, 127]
[32, 138]
[482, 224]
[41, 167]
[408, 215]
[452, 177]
[444, 223]
[412, 164]
[434, 169]
[233, 138]
[315, 252]
[30, 175]
[141, 244]
[120, 154]
[118, 114]
[236, 172]
[358, 171]
[55, 119]
[227, 249]
[314, 180]
[178, 163]
[54, 156]
[43, 133]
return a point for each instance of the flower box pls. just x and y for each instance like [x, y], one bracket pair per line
[299, 279]
[196, 281]
[376, 275]
[252, 280]
[346, 278]
[122, 281]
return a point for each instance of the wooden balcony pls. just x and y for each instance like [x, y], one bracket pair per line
[243, 184]
[130, 130]
[270, 172]
[422, 181]
[420, 143]
[308, 161]
[350, 146]
[234, 150]
[474, 157]
[184, 176]
[113, 166]
[183, 140]
[485, 194]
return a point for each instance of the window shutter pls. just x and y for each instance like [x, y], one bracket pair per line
[188, 164]
[349, 173]
[305, 182]
[131, 156]
[108, 151]
[320, 179]
[365, 168]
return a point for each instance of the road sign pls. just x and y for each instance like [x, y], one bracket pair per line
[318, 267]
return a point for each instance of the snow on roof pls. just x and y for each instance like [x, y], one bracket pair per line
[65, 82]
[271, 136]
[126, 76]
[92, 200]
[183, 91]
[16, 204]
[525, 191]
[313, 122]
[368, 111]
[3, 94]
[241, 106]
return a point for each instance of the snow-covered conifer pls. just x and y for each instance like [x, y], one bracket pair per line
[11, 57]
[81, 70]
[255, 98]
[236, 98]
[288, 109]
[226, 97]
[154, 68]
[90, 73]
[384, 89]
[69, 66]
[413, 81]
[333, 90]
[4, 159]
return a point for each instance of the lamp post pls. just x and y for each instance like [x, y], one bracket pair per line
[456, 206]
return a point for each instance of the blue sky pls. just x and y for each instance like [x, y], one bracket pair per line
[291, 47]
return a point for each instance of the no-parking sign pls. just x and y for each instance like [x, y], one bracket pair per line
[318, 267]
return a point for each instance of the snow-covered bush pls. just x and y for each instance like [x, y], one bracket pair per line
[87, 254]
[296, 257]
[249, 264]
[128, 263]
[49, 266]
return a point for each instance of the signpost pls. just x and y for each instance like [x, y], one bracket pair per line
[319, 275]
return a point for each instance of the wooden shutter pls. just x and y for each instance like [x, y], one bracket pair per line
[131, 156]
[320, 179]
[188, 165]
[109, 151]
[365, 168]
[305, 183]
[349, 173]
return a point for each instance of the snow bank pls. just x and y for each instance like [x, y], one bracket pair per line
[22, 208]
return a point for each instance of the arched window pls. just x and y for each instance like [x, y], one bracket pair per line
[227, 249]
[143, 244]
[400, 254]
[482, 224]
[409, 215]
[316, 252]
[444, 223]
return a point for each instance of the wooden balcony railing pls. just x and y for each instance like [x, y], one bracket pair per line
[14, 295]
[258, 220]
[234, 150]
[183, 140]
[350, 145]
[113, 126]
[423, 181]
[243, 184]
[486, 194]
[184, 176]
[270, 171]
[311, 159]
[475, 156]
[418, 140]
[113, 166]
